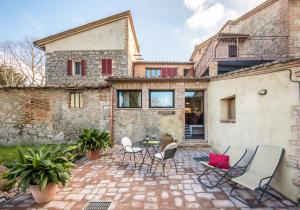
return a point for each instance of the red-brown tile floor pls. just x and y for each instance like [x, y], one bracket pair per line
[130, 188]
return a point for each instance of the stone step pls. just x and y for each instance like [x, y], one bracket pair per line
[194, 143]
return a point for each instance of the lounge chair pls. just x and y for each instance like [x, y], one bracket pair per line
[235, 156]
[260, 173]
[168, 153]
[129, 149]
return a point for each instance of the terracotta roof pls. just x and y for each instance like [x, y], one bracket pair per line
[164, 62]
[144, 79]
[127, 14]
[258, 68]
[62, 86]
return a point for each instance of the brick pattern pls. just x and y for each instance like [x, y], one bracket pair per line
[132, 189]
[294, 159]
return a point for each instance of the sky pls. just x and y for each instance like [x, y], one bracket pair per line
[167, 30]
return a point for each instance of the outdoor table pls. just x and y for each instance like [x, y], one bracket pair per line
[149, 145]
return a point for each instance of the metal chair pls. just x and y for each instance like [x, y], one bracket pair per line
[129, 149]
[168, 153]
[235, 156]
[260, 173]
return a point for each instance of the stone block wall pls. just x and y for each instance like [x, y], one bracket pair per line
[56, 66]
[37, 116]
[294, 28]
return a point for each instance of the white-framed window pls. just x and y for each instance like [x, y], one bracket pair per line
[76, 100]
[76, 67]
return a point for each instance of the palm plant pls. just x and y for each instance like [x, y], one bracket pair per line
[39, 166]
[93, 140]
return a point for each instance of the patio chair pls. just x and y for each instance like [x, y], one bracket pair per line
[235, 156]
[260, 173]
[130, 149]
[168, 153]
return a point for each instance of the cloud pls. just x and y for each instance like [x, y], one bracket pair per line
[194, 4]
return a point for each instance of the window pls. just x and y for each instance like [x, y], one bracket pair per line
[232, 51]
[106, 66]
[152, 73]
[76, 100]
[228, 111]
[187, 72]
[77, 68]
[161, 99]
[129, 98]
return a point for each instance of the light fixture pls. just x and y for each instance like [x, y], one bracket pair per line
[262, 92]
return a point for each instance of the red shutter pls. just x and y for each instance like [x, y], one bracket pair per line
[174, 72]
[69, 67]
[83, 67]
[163, 72]
[109, 66]
[106, 66]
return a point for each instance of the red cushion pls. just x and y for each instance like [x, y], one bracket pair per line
[219, 161]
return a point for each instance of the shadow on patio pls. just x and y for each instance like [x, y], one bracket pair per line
[130, 188]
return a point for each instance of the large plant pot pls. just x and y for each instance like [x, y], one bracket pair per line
[46, 195]
[93, 154]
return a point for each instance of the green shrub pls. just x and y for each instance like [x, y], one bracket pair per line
[39, 166]
[94, 139]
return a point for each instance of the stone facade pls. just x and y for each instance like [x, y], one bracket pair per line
[136, 123]
[56, 66]
[37, 116]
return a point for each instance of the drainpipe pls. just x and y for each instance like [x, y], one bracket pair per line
[111, 111]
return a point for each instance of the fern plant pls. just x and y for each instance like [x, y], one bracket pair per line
[93, 140]
[39, 166]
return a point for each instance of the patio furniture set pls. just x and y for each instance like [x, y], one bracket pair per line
[254, 173]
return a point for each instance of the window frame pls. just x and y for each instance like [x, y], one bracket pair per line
[230, 51]
[228, 109]
[162, 107]
[131, 90]
[153, 69]
[81, 103]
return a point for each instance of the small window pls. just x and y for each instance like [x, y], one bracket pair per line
[76, 100]
[187, 72]
[228, 111]
[232, 51]
[106, 66]
[161, 99]
[130, 99]
[77, 68]
[153, 73]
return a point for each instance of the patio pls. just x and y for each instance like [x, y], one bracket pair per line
[130, 188]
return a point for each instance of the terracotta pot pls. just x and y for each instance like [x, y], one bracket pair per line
[93, 154]
[46, 195]
[165, 140]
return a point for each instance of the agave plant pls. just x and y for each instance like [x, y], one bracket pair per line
[39, 166]
[94, 139]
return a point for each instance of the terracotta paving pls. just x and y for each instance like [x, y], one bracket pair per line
[131, 189]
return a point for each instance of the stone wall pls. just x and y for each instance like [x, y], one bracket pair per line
[56, 66]
[294, 28]
[37, 116]
[136, 123]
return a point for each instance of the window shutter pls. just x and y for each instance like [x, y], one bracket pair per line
[109, 66]
[69, 67]
[104, 71]
[83, 67]
[163, 72]
[174, 72]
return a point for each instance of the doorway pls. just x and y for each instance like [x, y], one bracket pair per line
[194, 115]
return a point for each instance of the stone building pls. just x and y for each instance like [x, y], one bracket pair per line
[240, 87]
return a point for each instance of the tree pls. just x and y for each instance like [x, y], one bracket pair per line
[9, 77]
[25, 59]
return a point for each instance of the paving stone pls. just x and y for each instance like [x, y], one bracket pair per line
[76, 197]
[178, 201]
[164, 195]
[150, 206]
[190, 198]
[223, 203]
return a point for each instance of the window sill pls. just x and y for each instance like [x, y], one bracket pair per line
[228, 121]
[129, 108]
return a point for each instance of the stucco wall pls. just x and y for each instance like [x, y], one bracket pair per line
[140, 68]
[56, 66]
[132, 49]
[111, 36]
[259, 119]
[38, 116]
[136, 123]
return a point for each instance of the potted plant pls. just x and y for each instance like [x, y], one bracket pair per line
[41, 170]
[92, 141]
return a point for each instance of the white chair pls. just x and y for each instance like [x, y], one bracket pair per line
[168, 153]
[260, 173]
[129, 149]
[224, 175]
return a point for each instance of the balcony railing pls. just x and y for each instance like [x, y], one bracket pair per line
[249, 48]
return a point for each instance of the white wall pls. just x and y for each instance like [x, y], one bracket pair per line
[111, 36]
[259, 119]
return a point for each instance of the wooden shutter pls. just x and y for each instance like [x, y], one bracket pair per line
[83, 67]
[163, 72]
[69, 67]
[174, 72]
[106, 66]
